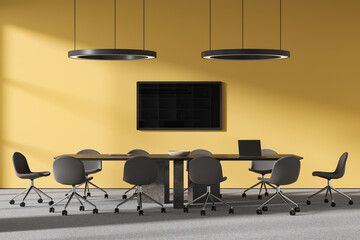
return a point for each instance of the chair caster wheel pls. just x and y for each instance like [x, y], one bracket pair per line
[265, 208]
[138, 208]
[266, 194]
[51, 202]
[141, 213]
[163, 210]
[308, 202]
[95, 211]
[202, 213]
[243, 195]
[88, 194]
[351, 202]
[82, 208]
[51, 209]
[259, 197]
[12, 202]
[116, 210]
[231, 211]
[186, 210]
[66, 194]
[84, 197]
[259, 212]
[297, 209]
[333, 204]
[326, 200]
[124, 197]
[106, 196]
[213, 208]
[292, 212]
[64, 213]
[220, 195]
[40, 200]
[22, 204]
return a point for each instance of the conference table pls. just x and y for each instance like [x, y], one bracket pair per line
[163, 163]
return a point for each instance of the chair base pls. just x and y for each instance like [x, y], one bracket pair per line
[329, 189]
[69, 197]
[263, 185]
[87, 189]
[124, 196]
[27, 190]
[208, 196]
[293, 209]
[139, 195]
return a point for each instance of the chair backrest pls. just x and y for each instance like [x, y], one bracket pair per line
[285, 171]
[90, 165]
[340, 169]
[140, 170]
[263, 165]
[69, 171]
[205, 170]
[20, 164]
[200, 152]
[138, 152]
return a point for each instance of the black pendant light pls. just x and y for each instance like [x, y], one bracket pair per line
[245, 53]
[111, 53]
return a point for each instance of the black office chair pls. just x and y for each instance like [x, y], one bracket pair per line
[23, 171]
[263, 168]
[196, 152]
[285, 171]
[338, 173]
[70, 171]
[207, 171]
[91, 167]
[134, 152]
[139, 171]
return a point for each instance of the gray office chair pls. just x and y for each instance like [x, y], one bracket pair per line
[263, 168]
[196, 152]
[70, 171]
[134, 152]
[23, 171]
[285, 171]
[338, 173]
[91, 167]
[139, 171]
[207, 171]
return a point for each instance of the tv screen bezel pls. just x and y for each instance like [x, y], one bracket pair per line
[178, 82]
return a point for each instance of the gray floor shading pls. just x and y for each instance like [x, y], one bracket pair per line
[317, 221]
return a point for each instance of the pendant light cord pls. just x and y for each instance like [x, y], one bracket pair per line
[210, 23]
[242, 23]
[114, 24]
[143, 24]
[74, 24]
[280, 24]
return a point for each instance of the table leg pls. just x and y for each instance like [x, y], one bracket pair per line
[178, 183]
[159, 190]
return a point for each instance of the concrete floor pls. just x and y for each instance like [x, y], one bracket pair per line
[317, 221]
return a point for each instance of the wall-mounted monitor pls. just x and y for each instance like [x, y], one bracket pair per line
[179, 105]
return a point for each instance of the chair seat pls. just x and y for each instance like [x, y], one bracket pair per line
[33, 175]
[327, 175]
[92, 171]
[263, 171]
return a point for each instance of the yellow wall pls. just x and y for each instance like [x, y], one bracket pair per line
[307, 105]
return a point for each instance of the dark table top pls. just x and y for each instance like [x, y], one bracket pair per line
[166, 157]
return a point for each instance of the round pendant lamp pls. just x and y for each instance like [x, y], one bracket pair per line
[244, 53]
[111, 53]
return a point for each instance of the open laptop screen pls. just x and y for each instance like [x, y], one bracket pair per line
[249, 148]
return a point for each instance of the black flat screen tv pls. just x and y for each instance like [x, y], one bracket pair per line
[179, 106]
